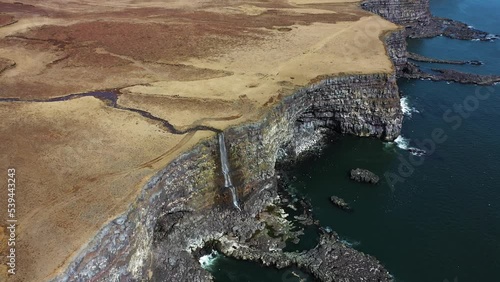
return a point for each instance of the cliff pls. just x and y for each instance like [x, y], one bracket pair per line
[185, 206]
[128, 185]
[410, 13]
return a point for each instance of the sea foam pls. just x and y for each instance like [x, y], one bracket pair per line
[403, 143]
[405, 107]
[207, 261]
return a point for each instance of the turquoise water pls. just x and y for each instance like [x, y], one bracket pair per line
[441, 220]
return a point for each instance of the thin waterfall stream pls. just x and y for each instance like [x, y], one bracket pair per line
[226, 171]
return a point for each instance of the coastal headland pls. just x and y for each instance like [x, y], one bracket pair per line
[110, 112]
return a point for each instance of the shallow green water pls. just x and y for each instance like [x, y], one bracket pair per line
[443, 221]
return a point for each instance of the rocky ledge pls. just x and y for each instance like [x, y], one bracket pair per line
[340, 203]
[420, 58]
[413, 71]
[258, 234]
[450, 28]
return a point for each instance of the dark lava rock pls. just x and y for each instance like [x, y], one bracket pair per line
[468, 78]
[475, 63]
[340, 203]
[420, 58]
[416, 151]
[412, 71]
[331, 260]
[364, 175]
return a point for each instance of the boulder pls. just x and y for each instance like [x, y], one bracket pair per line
[364, 175]
[340, 203]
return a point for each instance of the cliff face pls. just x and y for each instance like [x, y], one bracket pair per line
[185, 204]
[403, 12]
[396, 49]
[362, 105]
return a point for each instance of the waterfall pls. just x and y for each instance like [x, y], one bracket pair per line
[225, 170]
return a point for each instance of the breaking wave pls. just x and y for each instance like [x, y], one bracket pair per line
[207, 261]
[403, 143]
[405, 107]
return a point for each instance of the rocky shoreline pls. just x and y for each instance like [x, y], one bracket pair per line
[183, 209]
[330, 260]
[414, 72]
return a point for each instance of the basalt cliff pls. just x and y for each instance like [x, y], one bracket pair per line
[186, 206]
[128, 173]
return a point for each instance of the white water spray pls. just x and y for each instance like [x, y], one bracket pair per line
[405, 107]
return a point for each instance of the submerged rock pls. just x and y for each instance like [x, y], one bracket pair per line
[340, 203]
[416, 151]
[364, 175]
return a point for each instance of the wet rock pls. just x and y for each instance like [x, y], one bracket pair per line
[416, 151]
[364, 175]
[340, 203]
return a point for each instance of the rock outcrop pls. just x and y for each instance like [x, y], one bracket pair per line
[396, 50]
[364, 175]
[403, 12]
[340, 203]
[420, 58]
[413, 71]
